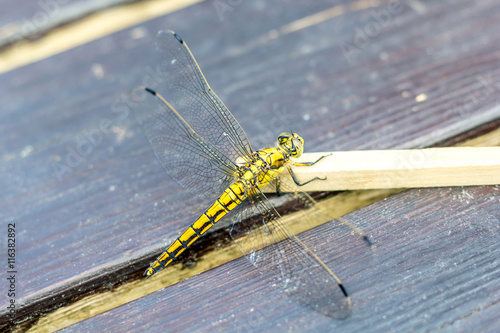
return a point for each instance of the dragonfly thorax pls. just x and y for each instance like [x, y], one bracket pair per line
[264, 166]
[291, 143]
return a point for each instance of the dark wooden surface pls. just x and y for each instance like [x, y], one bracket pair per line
[434, 269]
[101, 221]
[30, 20]
[25, 10]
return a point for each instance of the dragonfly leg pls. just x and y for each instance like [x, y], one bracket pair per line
[278, 190]
[311, 163]
[306, 164]
[356, 229]
[307, 182]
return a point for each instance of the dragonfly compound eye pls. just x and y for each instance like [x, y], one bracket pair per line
[284, 140]
[297, 147]
[298, 137]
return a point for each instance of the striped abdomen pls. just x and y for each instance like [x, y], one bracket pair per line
[231, 198]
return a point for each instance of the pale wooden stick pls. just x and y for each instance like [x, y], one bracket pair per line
[382, 169]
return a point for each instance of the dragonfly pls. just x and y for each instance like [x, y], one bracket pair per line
[204, 149]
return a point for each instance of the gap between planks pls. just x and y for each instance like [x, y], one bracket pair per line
[92, 305]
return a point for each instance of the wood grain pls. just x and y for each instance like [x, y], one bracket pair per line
[431, 269]
[379, 169]
[337, 206]
[84, 30]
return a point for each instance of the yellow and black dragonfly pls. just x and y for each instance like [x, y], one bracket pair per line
[204, 149]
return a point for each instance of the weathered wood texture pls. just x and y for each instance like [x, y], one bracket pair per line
[92, 207]
[397, 168]
[435, 267]
[20, 11]
[30, 20]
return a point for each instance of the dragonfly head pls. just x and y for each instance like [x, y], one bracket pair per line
[291, 143]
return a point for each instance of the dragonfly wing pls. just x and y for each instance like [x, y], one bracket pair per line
[273, 249]
[188, 158]
[183, 84]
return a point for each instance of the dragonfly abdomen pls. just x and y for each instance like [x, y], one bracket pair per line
[230, 199]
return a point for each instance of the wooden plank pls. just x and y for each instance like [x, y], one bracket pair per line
[114, 209]
[30, 20]
[379, 169]
[435, 267]
[337, 206]
[19, 12]
[88, 29]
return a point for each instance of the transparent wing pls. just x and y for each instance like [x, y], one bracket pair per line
[272, 248]
[194, 136]
[184, 86]
[189, 159]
